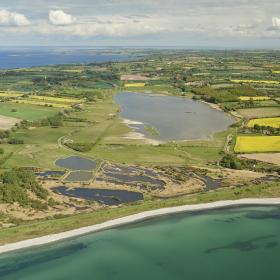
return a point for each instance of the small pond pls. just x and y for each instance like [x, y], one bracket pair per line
[76, 163]
[210, 183]
[104, 196]
[167, 118]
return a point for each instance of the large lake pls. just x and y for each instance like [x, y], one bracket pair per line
[237, 243]
[174, 118]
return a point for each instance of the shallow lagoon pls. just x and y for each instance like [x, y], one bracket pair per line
[175, 118]
[237, 243]
[104, 196]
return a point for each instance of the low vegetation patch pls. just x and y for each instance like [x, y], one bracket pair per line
[151, 130]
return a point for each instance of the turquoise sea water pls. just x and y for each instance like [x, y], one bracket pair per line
[237, 243]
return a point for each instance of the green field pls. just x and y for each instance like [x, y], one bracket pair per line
[26, 112]
[264, 112]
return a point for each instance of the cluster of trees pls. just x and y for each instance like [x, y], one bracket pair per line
[266, 130]
[15, 185]
[211, 95]
[54, 121]
[5, 138]
[222, 95]
[80, 147]
[233, 162]
[93, 96]
[42, 81]
[74, 79]
[102, 75]
[4, 134]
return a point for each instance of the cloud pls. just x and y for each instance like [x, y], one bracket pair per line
[111, 26]
[157, 21]
[59, 17]
[8, 18]
[276, 22]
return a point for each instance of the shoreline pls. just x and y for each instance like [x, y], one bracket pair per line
[136, 135]
[52, 238]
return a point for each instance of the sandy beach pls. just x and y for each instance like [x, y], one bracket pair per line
[132, 219]
[134, 135]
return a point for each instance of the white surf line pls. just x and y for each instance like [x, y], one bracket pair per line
[135, 218]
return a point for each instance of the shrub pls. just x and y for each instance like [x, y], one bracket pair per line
[15, 141]
[80, 147]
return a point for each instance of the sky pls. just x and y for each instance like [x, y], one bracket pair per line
[184, 23]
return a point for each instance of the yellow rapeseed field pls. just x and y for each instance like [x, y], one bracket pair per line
[10, 94]
[256, 82]
[135, 85]
[272, 122]
[255, 98]
[276, 72]
[255, 144]
[39, 103]
[57, 99]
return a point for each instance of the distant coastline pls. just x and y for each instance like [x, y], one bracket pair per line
[27, 58]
